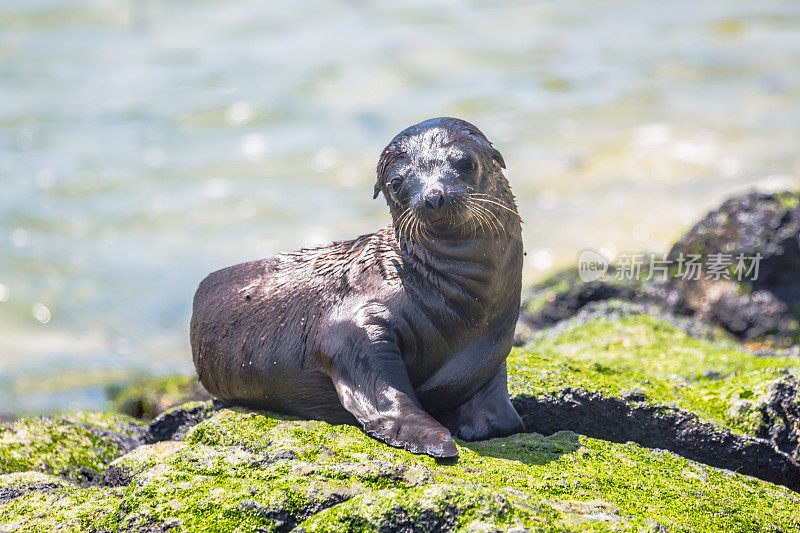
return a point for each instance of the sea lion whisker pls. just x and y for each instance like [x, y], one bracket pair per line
[472, 219]
[473, 224]
[424, 232]
[489, 198]
[408, 225]
[481, 219]
[488, 219]
[498, 204]
[478, 217]
[415, 230]
[398, 224]
[485, 222]
[495, 220]
[406, 218]
[496, 226]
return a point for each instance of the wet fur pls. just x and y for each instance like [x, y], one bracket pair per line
[404, 332]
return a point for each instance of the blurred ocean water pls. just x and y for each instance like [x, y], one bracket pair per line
[144, 144]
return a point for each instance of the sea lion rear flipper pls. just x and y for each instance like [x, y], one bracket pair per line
[488, 414]
[373, 385]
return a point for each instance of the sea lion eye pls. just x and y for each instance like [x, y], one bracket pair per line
[467, 165]
[395, 184]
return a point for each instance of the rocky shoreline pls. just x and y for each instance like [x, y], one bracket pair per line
[663, 405]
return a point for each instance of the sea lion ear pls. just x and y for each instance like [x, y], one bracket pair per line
[498, 157]
[377, 190]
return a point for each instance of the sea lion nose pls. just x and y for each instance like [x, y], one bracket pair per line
[435, 201]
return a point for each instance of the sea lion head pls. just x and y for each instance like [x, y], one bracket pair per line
[443, 177]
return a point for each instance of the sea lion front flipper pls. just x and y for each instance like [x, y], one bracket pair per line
[372, 383]
[383, 401]
[488, 414]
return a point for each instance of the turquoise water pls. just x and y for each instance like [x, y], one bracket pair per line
[144, 144]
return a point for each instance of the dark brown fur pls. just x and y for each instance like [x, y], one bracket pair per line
[405, 331]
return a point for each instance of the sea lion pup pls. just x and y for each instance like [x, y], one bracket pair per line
[406, 330]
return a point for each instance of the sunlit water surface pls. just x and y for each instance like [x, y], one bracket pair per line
[145, 144]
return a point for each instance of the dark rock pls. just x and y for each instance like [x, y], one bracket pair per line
[614, 310]
[634, 396]
[781, 415]
[755, 223]
[617, 420]
[765, 307]
[442, 520]
[126, 436]
[15, 491]
[115, 476]
[152, 526]
[564, 294]
[286, 521]
[174, 423]
[286, 455]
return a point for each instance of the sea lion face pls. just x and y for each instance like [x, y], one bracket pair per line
[433, 174]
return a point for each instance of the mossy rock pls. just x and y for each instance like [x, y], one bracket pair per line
[645, 354]
[249, 471]
[432, 507]
[648, 360]
[36, 502]
[147, 397]
[78, 447]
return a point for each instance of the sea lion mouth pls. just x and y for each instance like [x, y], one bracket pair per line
[453, 216]
[443, 224]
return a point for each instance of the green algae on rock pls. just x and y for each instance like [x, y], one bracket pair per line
[248, 471]
[35, 502]
[646, 356]
[122, 470]
[621, 374]
[77, 447]
[433, 507]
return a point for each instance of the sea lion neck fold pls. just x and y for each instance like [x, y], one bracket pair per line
[463, 268]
